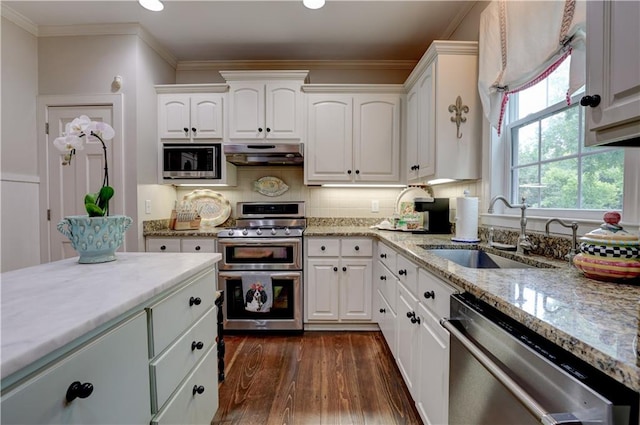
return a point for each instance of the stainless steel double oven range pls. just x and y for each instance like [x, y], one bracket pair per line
[261, 267]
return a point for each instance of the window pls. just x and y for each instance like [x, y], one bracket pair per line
[550, 166]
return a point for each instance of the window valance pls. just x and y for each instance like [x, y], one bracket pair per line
[522, 42]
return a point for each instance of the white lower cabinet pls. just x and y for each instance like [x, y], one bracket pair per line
[338, 280]
[175, 244]
[106, 381]
[408, 338]
[409, 305]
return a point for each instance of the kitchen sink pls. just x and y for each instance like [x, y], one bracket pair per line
[477, 259]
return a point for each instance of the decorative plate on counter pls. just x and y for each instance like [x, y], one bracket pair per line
[213, 208]
[270, 186]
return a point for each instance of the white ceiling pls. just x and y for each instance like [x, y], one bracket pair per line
[269, 29]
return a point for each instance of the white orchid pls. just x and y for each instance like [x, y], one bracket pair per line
[76, 134]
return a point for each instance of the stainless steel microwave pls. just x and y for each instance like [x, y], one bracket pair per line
[192, 161]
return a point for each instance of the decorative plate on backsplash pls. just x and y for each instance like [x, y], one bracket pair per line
[270, 186]
[213, 208]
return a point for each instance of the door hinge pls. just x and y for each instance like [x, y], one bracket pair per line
[48, 215]
[46, 128]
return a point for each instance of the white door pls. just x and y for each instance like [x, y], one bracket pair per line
[246, 111]
[356, 288]
[67, 185]
[283, 110]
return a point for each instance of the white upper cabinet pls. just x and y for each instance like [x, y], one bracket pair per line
[444, 120]
[353, 137]
[265, 105]
[612, 97]
[190, 116]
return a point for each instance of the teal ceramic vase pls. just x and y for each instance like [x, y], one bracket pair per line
[96, 239]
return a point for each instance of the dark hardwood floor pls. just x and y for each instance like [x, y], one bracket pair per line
[311, 379]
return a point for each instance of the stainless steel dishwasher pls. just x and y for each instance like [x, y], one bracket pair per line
[502, 373]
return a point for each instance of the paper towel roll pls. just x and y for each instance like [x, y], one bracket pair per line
[466, 220]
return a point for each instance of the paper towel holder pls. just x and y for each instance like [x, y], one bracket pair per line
[436, 214]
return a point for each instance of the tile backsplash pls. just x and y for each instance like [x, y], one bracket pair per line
[323, 202]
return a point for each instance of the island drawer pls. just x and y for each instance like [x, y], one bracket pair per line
[174, 314]
[115, 364]
[196, 400]
[170, 367]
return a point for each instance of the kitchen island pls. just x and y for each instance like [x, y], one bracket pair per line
[109, 326]
[596, 321]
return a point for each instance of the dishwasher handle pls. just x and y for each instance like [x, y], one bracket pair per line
[518, 392]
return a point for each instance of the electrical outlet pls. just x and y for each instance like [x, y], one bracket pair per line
[147, 206]
[375, 206]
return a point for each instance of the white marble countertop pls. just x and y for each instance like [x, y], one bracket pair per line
[47, 306]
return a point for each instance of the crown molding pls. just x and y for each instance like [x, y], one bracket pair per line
[192, 88]
[18, 19]
[216, 65]
[354, 88]
[441, 47]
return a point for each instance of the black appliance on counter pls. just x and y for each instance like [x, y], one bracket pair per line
[261, 267]
[436, 214]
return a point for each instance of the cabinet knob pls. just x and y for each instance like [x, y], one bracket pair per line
[197, 247]
[198, 389]
[194, 130]
[335, 269]
[383, 255]
[348, 171]
[357, 171]
[268, 130]
[196, 345]
[415, 320]
[344, 269]
[382, 310]
[383, 278]
[402, 272]
[411, 314]
[194, 301]
[591, 101]
[259, 129]
[186, 131]
[78, 390]
[163, 248]
[357, 248]
[430, 294]
[322, 248]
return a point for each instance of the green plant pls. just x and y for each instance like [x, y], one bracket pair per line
[77, 132]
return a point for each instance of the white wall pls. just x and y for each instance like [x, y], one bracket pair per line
[19, 183]
[152, 69]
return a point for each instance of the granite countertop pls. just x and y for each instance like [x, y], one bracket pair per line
[48, 306]
[596, 321]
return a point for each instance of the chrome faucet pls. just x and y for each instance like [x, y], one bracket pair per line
[524, 243]
[574, 237]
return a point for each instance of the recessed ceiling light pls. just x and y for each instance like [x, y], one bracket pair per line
[153, 5]
[313, 4]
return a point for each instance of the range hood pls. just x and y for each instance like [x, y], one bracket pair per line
[265, 154]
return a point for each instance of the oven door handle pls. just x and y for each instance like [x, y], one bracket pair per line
[518, 392]
[273, 274]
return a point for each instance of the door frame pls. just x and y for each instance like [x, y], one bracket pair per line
[116, 102]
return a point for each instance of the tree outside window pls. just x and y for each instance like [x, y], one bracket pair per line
[550, 166]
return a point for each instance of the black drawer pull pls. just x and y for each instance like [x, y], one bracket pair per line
[78, 390]
[344, 269]
[383, 278]
[197, 345]
[322, 248]
[357, 248]
[194, 301]
[383, 255]
[163, 247]
[335, 269]
[198, 389]
[402, 272]
[382, 310]
[198, 248]
[430, 294]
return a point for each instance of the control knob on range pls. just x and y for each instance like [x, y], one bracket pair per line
[274, 231]
[287, 231]
[258, 232]
[231, 232]
[245, 232]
